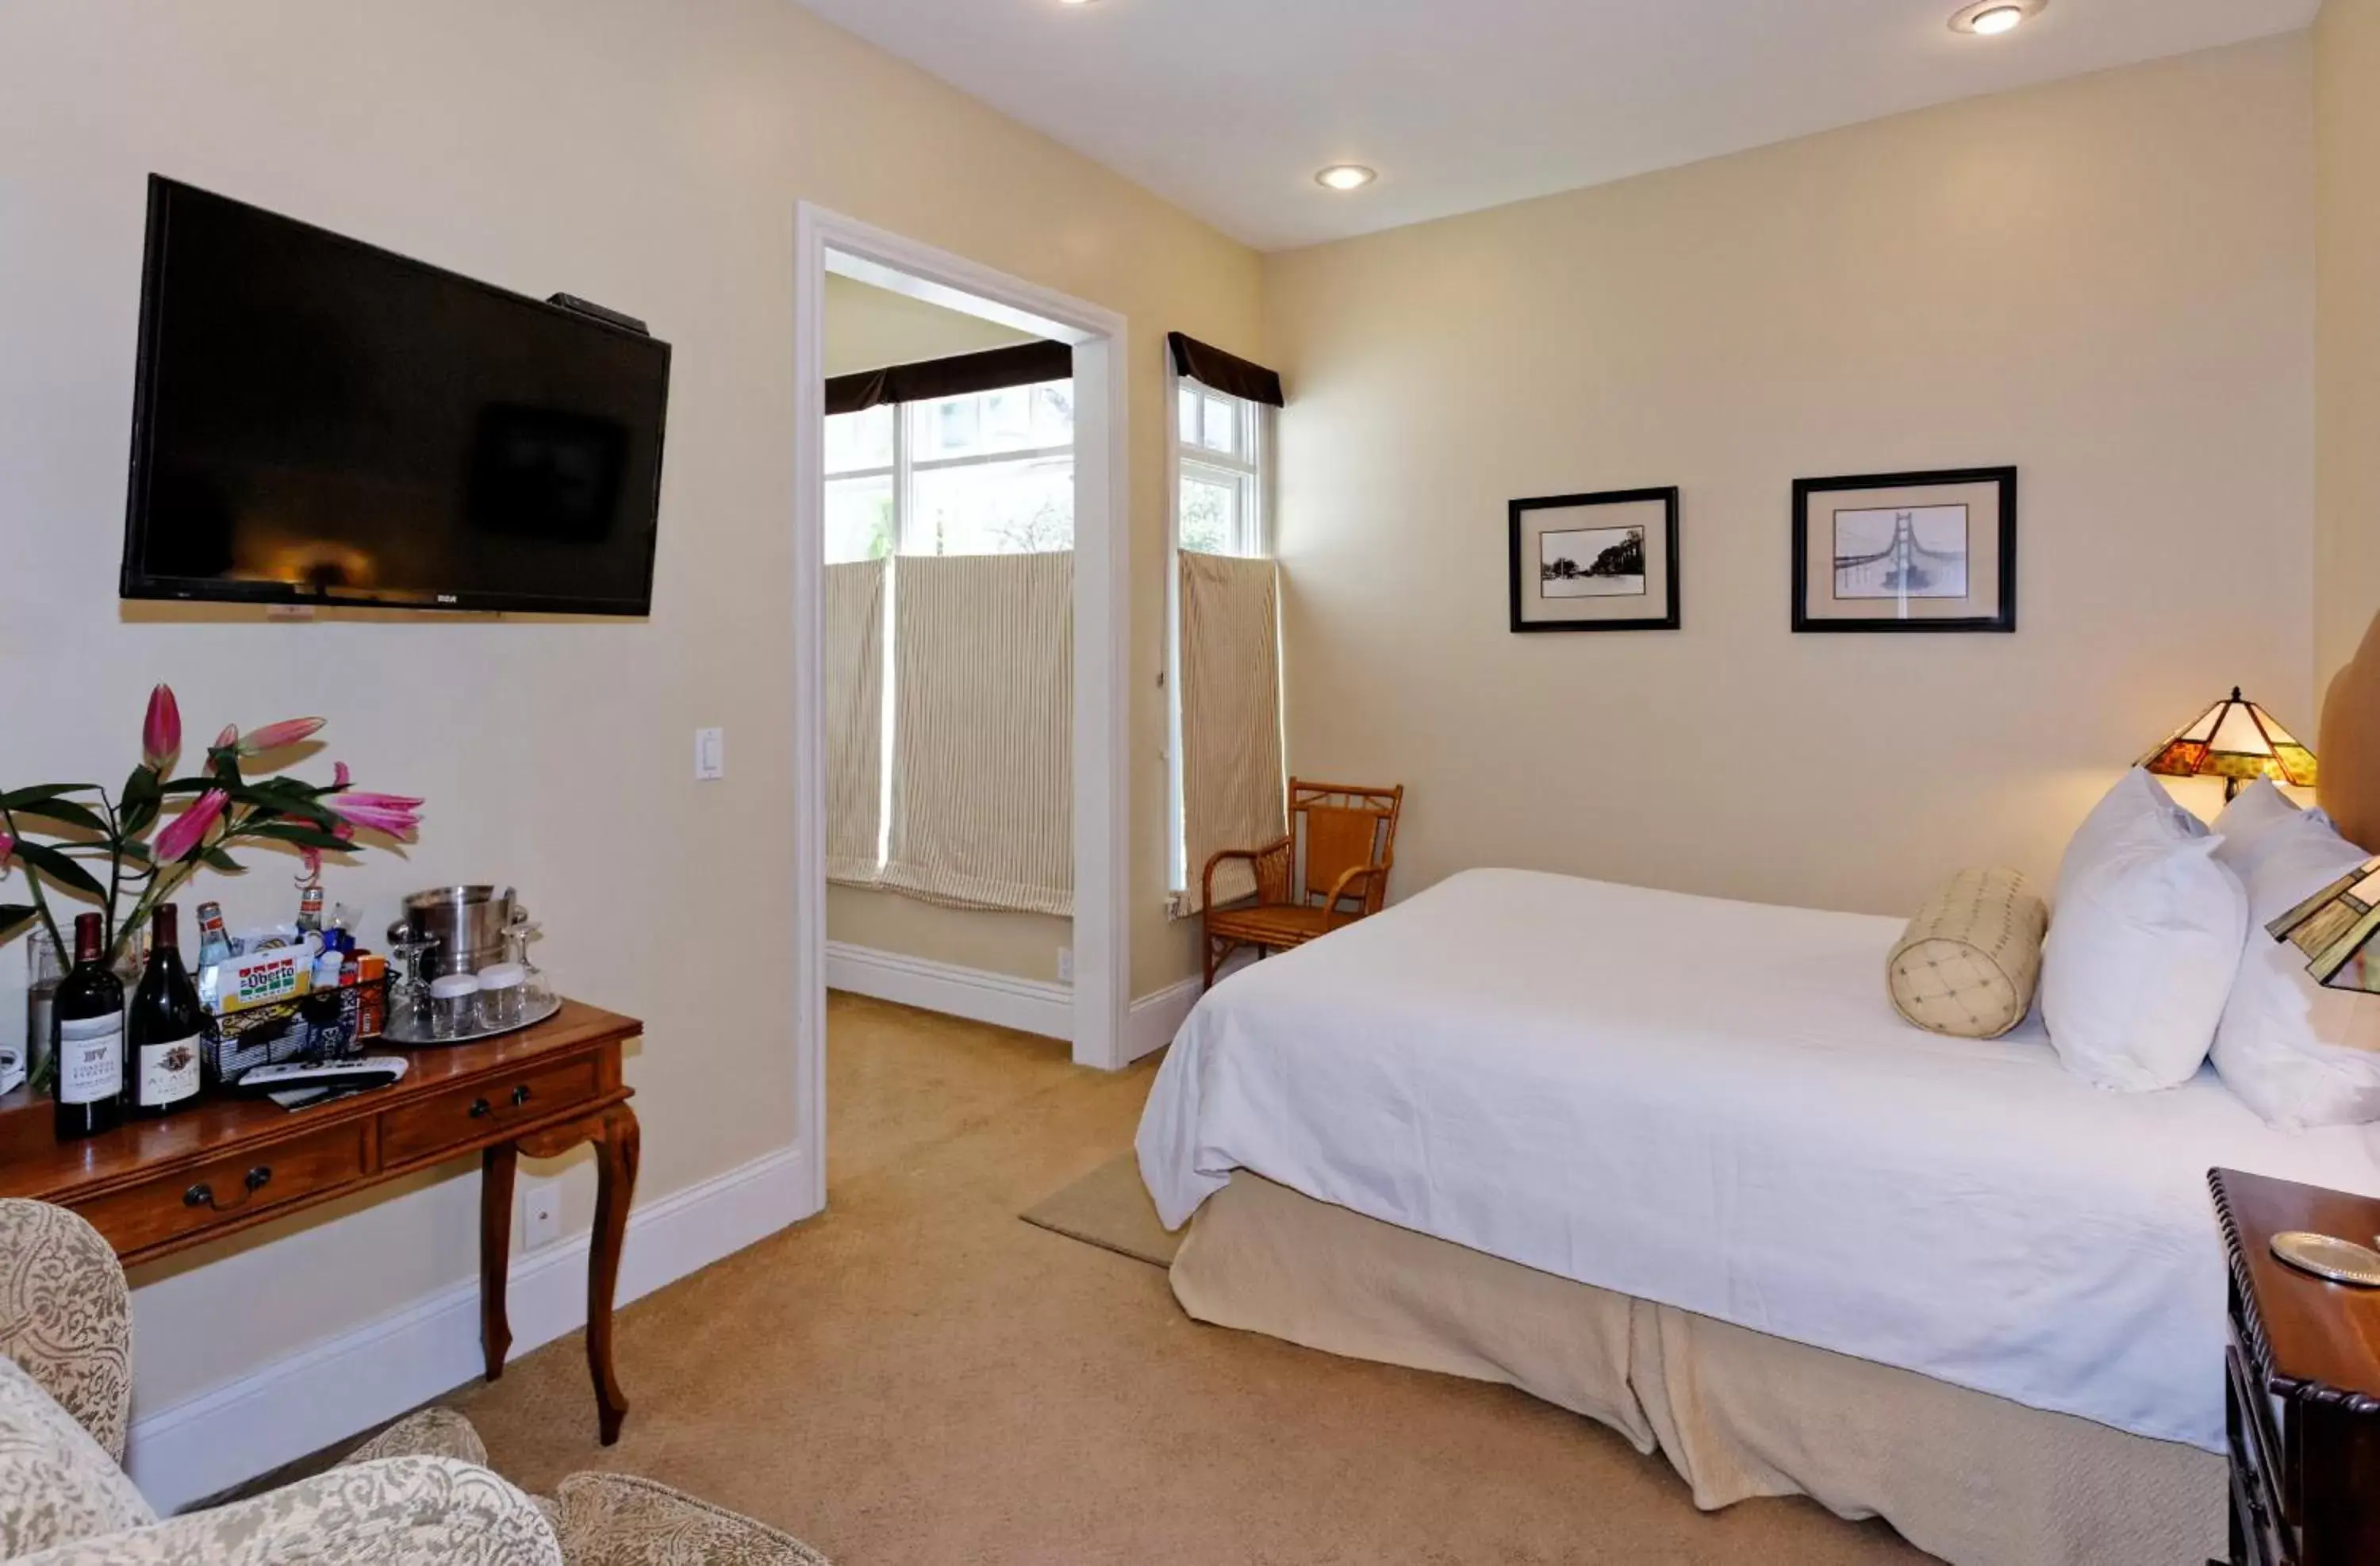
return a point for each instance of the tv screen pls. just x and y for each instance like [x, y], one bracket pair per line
[318, 421]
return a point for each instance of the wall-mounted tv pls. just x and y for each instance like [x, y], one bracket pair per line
[317, 420]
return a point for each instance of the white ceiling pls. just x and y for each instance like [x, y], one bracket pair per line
[1227, 107]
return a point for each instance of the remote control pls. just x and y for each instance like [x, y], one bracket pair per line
[372, 1071]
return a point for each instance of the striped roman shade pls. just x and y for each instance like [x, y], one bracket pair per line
[855, 720]
[1231, 789]
[984, 731]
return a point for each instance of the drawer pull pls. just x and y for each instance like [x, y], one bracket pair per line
[479, 1107]
[520, 1094]
[203, 1194]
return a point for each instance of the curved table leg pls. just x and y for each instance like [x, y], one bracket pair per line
[616, 1138]
[615, 1187]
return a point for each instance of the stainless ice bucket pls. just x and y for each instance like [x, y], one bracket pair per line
[468, 923]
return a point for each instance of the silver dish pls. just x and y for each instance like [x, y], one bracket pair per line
[2341, 1261]
[398, 1033]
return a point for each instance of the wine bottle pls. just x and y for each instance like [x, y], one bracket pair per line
[88, 1014]
[161, 1031]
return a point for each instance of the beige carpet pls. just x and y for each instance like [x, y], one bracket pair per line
[1109, 1208]
[916, 1378]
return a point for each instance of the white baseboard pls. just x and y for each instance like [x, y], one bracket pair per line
[1154, 1019]
[332, 1389]
[1029, 1006]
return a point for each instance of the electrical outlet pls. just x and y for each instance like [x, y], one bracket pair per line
[1066, 964]
[710, 755]
[540, 1213]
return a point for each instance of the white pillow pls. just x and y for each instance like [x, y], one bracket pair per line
[2258, 820]
[2136, 810]
[2296, 1052]
[2143, 945]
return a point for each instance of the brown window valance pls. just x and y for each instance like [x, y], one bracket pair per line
[1026, 364]
[1228, 373]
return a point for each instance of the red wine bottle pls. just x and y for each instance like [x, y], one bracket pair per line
[87, 1015]
[161, 1031]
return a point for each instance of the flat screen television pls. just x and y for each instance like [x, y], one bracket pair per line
[317, 420]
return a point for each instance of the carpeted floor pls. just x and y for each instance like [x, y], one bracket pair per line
[916, 1377]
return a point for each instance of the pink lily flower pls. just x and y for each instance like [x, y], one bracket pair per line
[340, 776]
[7, 846]
[276, 736]
[161, 730]
[227, 739]
[185, 832]
[313, 857]
[344, 831]
[391, 813]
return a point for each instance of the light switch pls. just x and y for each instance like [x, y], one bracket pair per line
[710, 755]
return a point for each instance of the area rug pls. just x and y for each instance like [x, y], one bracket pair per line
[1109, 1208]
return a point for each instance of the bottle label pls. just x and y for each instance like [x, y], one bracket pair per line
[90, 1058]
[169, 1072]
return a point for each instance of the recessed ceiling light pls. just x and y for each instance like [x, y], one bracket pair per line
[1345, 176]
[1989, 18]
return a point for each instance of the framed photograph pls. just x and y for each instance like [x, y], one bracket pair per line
[1595, 562]
[1906, 552]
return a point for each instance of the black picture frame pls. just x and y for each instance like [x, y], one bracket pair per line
[1670, 619]
[2001, 622]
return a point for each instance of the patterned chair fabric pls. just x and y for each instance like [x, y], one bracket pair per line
[1968, 963]
[66, 1317]
[614, 1519]
[395, 1512]
[418, 1494]
[56, 1484]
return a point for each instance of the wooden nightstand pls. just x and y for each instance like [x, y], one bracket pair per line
[2302, 1380]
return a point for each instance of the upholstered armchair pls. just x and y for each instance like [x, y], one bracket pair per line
[419, 1494]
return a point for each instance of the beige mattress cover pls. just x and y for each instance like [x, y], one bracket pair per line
[1974, 1478]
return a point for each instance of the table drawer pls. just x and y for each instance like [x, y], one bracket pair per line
[467, 1115]
[228, 1190]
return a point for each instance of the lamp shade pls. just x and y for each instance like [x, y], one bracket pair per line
[2337, 929]
[2235, 740]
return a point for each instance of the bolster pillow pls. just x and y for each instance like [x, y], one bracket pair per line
[1967, 963]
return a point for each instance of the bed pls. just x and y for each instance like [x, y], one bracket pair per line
[1674, 1163]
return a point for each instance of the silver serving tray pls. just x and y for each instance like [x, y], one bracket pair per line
[397, 1033]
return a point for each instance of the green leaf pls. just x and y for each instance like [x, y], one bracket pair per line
[217, 858]
[67, 811]
[303, 836]
[18, 799]
[224, 767]
[59, 868]
[13, 914]
[138, 853]
[281, 803]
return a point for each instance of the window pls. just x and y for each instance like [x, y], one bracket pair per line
[1223, 450]
[1221, 444]
[987, 473]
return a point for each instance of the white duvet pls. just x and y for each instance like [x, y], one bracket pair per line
[1713, 1105]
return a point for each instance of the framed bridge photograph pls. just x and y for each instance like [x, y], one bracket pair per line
[1906, 552]
[1604, 562]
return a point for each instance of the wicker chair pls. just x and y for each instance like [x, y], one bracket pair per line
[1331, 870]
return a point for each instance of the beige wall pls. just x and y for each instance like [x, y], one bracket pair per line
[2347, 462]
[868, 328]
[2108, 281]
[637, 154]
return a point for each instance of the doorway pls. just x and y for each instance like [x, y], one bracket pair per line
[830, 244]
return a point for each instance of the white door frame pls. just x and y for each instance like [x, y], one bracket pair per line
[826, 242]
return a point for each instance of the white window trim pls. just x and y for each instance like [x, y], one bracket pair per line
[1256, 533]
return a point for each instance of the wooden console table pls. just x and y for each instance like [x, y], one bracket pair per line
[155, 1187]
